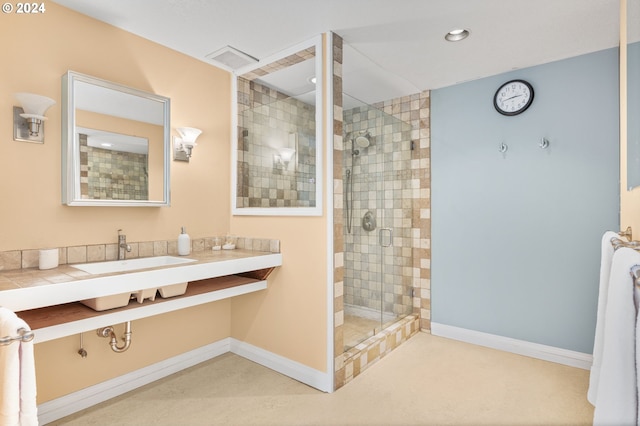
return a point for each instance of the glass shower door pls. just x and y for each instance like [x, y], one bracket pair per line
[378, 210]
[363, 254]
[396, 213]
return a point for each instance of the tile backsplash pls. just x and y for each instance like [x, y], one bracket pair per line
[18, 259]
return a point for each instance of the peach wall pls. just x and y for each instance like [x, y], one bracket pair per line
[37, 51]
[60, 370]
[289, 319]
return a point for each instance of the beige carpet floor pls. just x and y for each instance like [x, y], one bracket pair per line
[428, 380]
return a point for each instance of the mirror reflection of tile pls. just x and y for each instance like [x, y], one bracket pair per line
[276, 141]
[107, 174]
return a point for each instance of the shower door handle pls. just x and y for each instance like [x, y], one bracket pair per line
[389, 233]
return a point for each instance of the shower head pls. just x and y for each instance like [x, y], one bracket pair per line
[363, 140]
[359, 139]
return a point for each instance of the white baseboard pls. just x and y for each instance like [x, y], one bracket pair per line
[521, 347]
[295, 370]
[60, 407]
[85, 398]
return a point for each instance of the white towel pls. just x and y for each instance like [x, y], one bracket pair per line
[17, 375]
[636, 299]
[605, 271]
[616, 400]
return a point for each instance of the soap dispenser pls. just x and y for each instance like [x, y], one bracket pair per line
[184, 243]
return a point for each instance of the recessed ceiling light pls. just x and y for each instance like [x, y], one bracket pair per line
[312, 79]
[457, 34]
[106, 144]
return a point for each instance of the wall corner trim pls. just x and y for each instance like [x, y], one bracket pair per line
[322, 381]
[520, 347]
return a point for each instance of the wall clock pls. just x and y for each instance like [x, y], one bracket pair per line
[513, 97]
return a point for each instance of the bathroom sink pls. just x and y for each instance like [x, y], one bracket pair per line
[130, 264]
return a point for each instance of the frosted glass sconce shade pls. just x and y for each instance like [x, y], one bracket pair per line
[34, 105]
[185, 143]
[286, 154]
[189, 135]
[282, 158]
[28, 117]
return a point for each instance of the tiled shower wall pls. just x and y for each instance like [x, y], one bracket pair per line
[414, 110]
[381, 185]
[112, 175]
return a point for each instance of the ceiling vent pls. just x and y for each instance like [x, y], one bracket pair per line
[231, 58]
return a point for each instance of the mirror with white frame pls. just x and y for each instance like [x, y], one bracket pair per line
[115, 144]
[277, 134]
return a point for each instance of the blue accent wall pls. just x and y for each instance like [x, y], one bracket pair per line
[516, 236]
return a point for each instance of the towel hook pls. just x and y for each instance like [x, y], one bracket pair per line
[544, 143]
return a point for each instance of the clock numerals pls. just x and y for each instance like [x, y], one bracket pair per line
[513, 97]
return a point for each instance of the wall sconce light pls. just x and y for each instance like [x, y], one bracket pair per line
[282, 158]
[286, 154]
[28, 117]
[183, 145]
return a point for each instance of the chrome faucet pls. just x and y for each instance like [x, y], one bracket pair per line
[122, 245]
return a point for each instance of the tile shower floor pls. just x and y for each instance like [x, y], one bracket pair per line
[361, 323]
[356, 329]
[428, 380]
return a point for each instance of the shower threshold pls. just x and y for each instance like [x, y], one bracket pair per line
[369, 313]
[361, 323]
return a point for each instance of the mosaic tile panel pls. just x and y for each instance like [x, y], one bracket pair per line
[282, 63]
[29, 258]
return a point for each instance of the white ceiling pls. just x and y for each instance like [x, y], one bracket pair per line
[402, 41]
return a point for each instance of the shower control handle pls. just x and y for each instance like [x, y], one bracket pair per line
[389, 233]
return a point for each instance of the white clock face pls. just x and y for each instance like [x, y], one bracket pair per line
[513, 97]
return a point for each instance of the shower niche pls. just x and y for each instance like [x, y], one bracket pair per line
[379, 203]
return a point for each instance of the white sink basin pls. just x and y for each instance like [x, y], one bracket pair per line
[130, 264]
